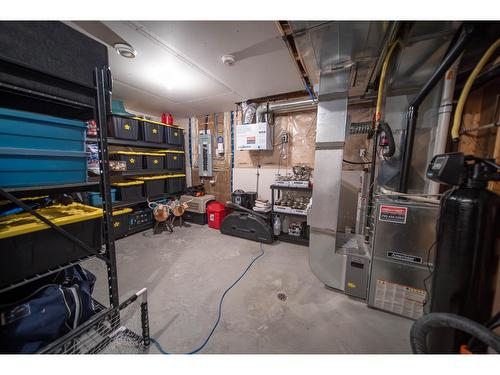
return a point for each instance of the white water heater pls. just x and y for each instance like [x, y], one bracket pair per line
[254, 137]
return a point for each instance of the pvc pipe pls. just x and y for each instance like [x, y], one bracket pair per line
[444, 116]
[468, 85]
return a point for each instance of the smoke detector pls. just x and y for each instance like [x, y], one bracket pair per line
[228, 60]
[125, 50]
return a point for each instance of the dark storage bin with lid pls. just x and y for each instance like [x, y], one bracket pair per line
[174, 160]
[35, 248]
[129, 191]
[133, 159]
[140, 218]
[176, 183]
[152, 131]
[195, 217]
[154, 161]
[174, 136]
[154, 186]
[119, 222]
[124, 128]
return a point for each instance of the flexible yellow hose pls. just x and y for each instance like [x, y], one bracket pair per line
[385, 65]
[457, 119]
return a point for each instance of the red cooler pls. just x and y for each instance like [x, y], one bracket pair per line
[216, 212]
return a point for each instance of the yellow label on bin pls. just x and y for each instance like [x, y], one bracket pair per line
[156, 161]
[126, 127]
[116, 224]
[155, 131]
[175, 158]
[131, 160]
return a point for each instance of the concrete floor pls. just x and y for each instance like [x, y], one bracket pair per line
[187, 271]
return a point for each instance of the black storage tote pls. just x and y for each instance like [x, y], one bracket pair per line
[129, 191]
[34, 248]
[133, 159]
[124, 128]
[152, 131]
[154, 161]
[119, 222]
[174, 136]
[174, 160]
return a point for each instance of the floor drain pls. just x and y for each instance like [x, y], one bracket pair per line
[282, 296]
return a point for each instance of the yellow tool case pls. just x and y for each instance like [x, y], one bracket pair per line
[29, 246]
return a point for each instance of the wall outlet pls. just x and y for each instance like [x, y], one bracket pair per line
[362, 152]
[284, 138]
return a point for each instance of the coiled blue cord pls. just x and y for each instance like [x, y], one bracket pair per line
[219, 313]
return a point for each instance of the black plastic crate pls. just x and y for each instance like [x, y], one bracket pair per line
[176, 184]
[174, 161]
[134, 160]
[152, 132]
[36, 252]
[140, 218]
[195, 217]
[119, 223]
[152, 161]
[174, 136]
[129, 191]
[124, 128]
[153, 186]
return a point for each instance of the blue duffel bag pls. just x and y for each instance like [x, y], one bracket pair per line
[48, 313]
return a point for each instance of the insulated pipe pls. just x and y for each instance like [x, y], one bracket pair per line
[412, 113]
[295, 105]
[421, 328]
[465, 91]
[443, 122]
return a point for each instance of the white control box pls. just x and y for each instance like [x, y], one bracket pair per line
[254, 137]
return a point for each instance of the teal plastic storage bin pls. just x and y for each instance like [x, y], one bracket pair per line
[95, 199]
[19, 129]
[28, 167]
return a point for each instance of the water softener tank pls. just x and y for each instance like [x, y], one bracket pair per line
[465, 267]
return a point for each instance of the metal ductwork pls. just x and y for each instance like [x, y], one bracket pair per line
[327, 262]
[280, 107]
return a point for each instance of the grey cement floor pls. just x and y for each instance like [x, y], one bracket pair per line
[186, 273]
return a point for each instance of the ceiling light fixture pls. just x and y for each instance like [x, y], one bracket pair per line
[228, 60]
[125, 50]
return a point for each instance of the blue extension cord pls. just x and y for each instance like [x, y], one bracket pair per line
[159, 347]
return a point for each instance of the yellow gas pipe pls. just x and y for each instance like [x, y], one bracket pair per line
[385, 65]
[457, 119]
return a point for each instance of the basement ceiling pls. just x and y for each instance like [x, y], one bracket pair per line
[178, 67]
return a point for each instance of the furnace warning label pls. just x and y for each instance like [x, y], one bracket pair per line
[393, 214]
[400, 299]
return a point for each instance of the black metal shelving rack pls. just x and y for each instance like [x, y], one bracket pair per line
[140, 172]
[285, 236]
[101, 92]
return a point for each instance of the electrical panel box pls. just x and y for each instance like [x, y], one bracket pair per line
[205, 155]
[254, 137]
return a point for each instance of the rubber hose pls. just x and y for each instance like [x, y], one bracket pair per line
[421, 328]
[390, 138]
